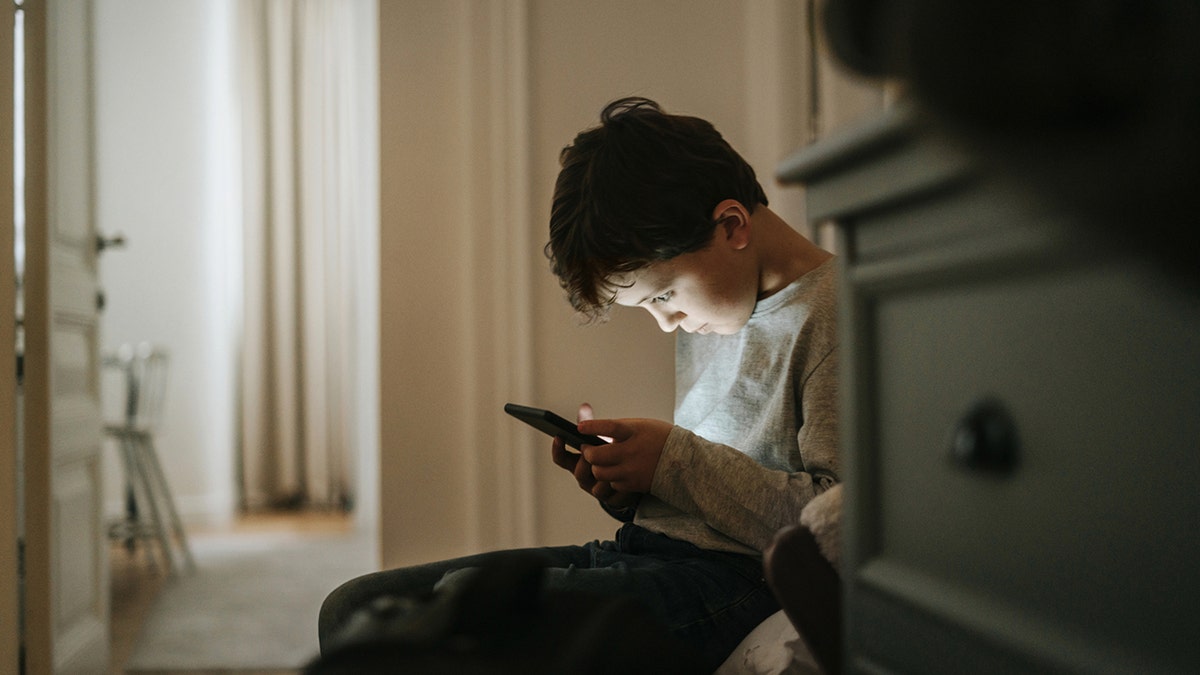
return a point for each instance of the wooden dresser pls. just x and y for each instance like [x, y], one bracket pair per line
[1021, 422]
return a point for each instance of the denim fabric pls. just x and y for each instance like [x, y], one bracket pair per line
[709, 599]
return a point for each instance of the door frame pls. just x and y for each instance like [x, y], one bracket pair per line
[9, 511]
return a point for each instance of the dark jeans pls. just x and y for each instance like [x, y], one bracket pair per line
[709, 599]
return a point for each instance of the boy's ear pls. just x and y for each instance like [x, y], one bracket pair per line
[733, 219]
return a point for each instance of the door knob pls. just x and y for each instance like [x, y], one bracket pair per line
[103, 243]
[985, 438]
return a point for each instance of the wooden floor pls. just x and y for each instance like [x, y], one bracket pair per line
[135, 584]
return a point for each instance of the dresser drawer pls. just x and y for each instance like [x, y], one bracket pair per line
[1081, 553]
[972, 309]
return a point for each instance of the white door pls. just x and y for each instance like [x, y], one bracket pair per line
[66, 596]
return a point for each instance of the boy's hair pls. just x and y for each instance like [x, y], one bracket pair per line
[638, 189]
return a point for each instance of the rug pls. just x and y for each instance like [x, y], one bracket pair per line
[252, 602]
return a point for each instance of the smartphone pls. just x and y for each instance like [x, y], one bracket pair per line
[549, 423]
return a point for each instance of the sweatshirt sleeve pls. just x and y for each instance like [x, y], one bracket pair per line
[737, 496]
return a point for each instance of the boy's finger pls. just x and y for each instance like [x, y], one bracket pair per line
[582, 470]
[603, 491]
[614, 429]
[600, 455]
[585, 412]
[560, 456]
[608, 474]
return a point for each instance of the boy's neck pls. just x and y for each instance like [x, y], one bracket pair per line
[785, 255]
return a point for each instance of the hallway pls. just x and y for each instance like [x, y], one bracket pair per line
[138, 594]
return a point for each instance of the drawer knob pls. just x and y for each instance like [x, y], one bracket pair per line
[985, 438]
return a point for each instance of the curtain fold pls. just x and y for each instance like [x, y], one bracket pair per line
[304, 178]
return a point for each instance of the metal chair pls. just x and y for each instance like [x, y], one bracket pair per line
[143, 371]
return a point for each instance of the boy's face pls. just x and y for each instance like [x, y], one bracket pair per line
[712, 290]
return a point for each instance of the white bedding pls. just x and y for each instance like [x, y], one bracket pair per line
[772, 648]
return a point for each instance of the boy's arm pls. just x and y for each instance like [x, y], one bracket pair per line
[737, 496]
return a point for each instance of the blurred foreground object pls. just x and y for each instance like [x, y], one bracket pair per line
[1094, 106]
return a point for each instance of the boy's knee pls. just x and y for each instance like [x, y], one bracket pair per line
[455, 579]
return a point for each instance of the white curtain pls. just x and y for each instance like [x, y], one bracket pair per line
[307, 186]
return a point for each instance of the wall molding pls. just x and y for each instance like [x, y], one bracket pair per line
[779, 90]
[496, 86]
[456, 475]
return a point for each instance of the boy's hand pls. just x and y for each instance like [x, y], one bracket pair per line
[582, 469]
[629, 462]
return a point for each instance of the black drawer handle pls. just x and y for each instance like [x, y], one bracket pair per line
[985, 438]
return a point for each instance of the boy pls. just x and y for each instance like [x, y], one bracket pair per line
[657, 211]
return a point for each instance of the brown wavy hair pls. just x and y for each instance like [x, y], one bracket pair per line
[638, 189]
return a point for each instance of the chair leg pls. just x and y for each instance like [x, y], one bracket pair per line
[138, 496]
[131, 514]
[160, 531]
[151, 456]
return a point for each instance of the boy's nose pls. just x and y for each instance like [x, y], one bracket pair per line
[669, 322]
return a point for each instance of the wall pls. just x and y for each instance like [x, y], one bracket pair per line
[477, 98]
[165, 180]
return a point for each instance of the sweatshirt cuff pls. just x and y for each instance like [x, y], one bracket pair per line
[677, 455]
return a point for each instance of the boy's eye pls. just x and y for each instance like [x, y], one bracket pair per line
[664, 297]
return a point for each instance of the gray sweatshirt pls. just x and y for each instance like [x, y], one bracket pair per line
[756, 423]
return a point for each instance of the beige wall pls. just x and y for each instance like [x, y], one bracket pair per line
[477, 99]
